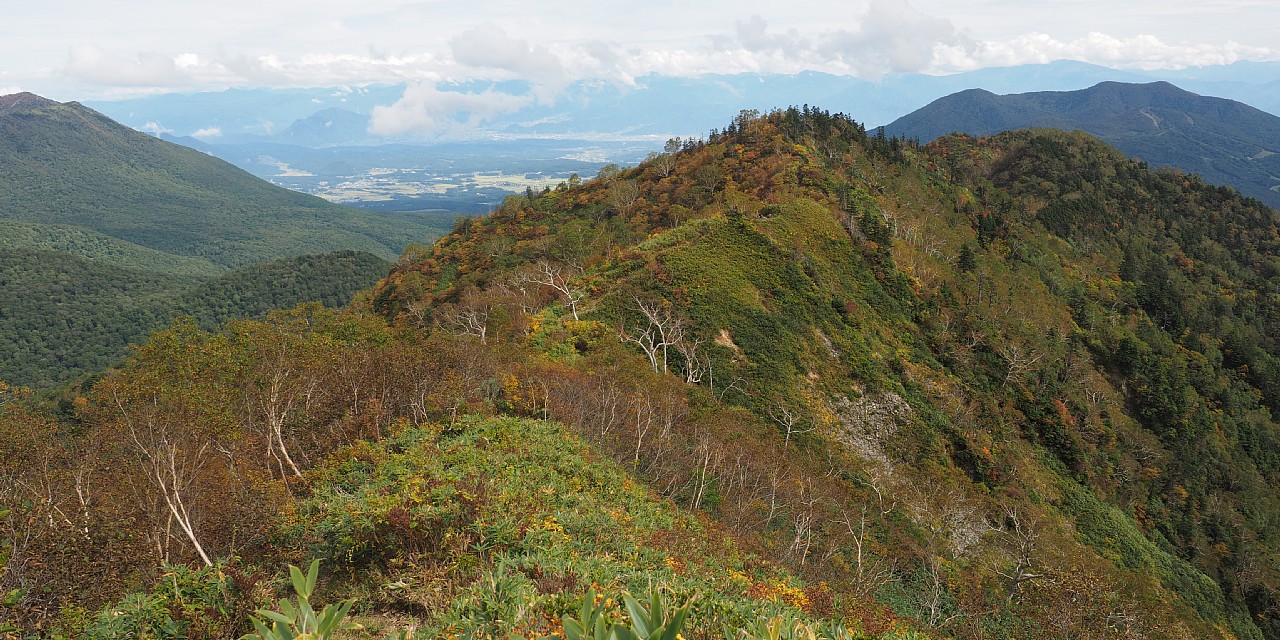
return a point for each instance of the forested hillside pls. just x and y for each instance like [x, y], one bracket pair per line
[107, 234]
[64, 316]
[812, 382]
[65, 164]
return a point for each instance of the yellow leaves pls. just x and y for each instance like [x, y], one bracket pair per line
[549, 523]
[738, 579]
[10, 393]
[511, 388]
[777, 590]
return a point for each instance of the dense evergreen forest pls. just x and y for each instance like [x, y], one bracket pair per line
[64, 316]
[792, 380]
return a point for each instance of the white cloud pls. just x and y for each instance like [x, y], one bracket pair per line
[147, 69]
[260, 70]
[891, 37]
[1144, 52]
[155, 128]
[489, 47]
[753, 35]
[239, 43]
[207, 133]
[424, 110]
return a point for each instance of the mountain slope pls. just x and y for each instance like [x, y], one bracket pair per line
[822, 284]
[107, 234]
[64, 315]
[1009, 387]
[66, 164]
[92, 245]
[1224, 141]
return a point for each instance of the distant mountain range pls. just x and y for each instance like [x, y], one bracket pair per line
[1224, 141]
[647, 110]
[318, 140]
[106, 233]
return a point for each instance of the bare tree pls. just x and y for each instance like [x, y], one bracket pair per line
[560, 277]
[870, 571]
[932, 597]
[172, 459]
[470, 322]
[623, 194]
[665, 163]
[1019, 539]
[643, 410]
[708, 460]
[697, 365]
[1021, 361]
[789, 421]
[470, 317]
[277, 403]
[517, 288]
[803, 517]
[663, 331]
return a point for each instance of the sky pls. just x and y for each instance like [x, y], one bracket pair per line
[103, 49]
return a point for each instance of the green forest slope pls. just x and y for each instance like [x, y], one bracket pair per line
[69, 165]
[106, 234]
[64, 316]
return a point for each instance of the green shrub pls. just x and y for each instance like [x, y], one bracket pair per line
[298, 620]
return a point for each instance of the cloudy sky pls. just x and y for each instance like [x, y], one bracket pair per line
[94, 49]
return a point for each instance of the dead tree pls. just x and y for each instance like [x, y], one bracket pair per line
[663, 331]
[469, 322]
[560, 278]
[789, 421]
[1019, 539]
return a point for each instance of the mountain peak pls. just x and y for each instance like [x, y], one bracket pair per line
[1144, 91]
[23, 101]
[1225, 141]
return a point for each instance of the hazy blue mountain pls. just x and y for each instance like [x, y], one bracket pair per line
[657, 106]
[240, 114]
[328, 127]
[1225, 141]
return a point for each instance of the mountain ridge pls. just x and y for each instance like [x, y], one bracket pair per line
[1225, 141]
[1001, 387]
